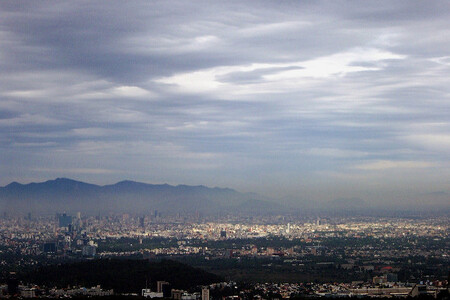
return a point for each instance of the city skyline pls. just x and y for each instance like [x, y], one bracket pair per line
[292, 100]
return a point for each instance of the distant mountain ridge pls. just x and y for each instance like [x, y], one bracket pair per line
[64, 194]
[348, 203]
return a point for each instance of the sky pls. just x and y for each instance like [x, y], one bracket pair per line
[295, 100]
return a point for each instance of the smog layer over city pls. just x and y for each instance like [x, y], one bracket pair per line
[206, 150]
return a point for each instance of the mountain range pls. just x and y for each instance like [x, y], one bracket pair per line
[63, 194]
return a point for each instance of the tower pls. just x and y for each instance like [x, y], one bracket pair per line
[205, 293]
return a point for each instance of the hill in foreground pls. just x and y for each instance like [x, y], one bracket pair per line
[122, 275]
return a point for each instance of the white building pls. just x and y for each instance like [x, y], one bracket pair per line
[147, 293]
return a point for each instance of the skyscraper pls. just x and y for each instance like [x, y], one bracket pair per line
[205, 293]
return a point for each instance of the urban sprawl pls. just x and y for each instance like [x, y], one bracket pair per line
[260, 257]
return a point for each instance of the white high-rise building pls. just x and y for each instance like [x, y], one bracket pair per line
[205, 293]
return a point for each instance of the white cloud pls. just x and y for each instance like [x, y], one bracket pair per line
[130, 91]
[148, 43]
[334, 152]
[30, 119]
[381, 165]
[75, 171]
[340, 64]
[271, 28]
[93, 132]
[37, 144]
[438, 142]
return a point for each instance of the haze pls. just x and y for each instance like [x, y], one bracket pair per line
[299, 101]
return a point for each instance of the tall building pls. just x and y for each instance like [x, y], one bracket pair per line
[205, 293]
[167, 290]
[160, 286]
[13, 284]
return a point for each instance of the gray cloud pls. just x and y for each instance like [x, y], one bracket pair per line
[318, 99]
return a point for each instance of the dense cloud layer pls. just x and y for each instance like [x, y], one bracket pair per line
[315, 100]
